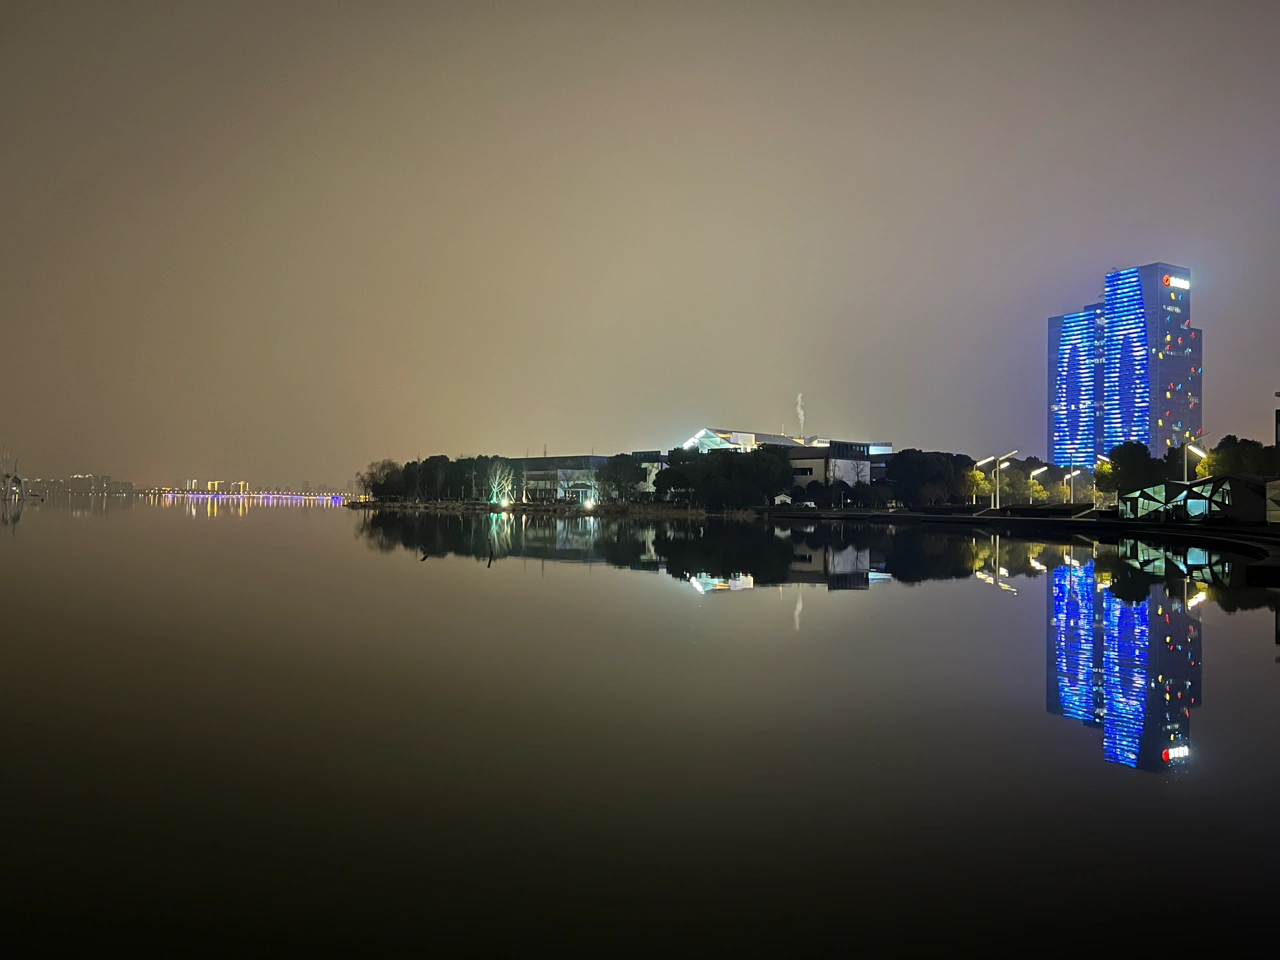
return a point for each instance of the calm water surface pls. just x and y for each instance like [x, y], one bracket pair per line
[308, 724]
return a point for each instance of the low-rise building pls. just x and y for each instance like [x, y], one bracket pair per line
[813, 458]
[548, 479]
[1239, 499]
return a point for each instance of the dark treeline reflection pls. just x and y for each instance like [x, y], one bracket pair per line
[843, 556]
[730, 555]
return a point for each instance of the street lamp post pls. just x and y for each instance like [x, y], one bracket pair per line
[1102, 458]
[1031, 476]
[984, 460]
[995, 474]
[1194, 449]
[1072, 478]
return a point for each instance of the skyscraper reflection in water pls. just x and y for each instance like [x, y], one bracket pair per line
[1129, 667]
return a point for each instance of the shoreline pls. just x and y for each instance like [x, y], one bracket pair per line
[1262, 542]
[632, 511]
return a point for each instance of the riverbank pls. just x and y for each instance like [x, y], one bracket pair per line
[1261, 542]
[613, 511]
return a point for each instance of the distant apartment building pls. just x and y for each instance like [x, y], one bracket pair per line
[1128, 369]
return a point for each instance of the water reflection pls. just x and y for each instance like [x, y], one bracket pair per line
[712, 556]
[1124, 632]
[1129, 668]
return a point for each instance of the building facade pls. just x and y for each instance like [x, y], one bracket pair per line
[549, 479]
[1126, 370]
[1076, 345]
[812, 458]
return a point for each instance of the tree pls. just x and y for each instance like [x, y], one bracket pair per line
[1105, 480]
[1014, 486]
[725, 479]
[841, 494]
[973, 485]
[382, 478]
[501, 480]
[1134, 468]
[920, 477]
[882, 493]
[436, 470]
[1233, 455]
[620, 475]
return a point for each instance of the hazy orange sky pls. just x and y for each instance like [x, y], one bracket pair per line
[278, 240]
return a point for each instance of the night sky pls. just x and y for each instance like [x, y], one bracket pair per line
[275, 241]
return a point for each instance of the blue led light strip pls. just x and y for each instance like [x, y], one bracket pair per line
[1125, 377]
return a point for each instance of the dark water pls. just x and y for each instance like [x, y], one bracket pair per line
[304, 725]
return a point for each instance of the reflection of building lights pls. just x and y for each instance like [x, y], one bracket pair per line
[1197, 599]
[705, 583]
[1037, 565]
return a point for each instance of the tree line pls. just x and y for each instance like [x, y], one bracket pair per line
[728, 480]
[1132, 467]
[486, 479]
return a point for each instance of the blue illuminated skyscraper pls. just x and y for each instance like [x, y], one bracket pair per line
[1128, 369]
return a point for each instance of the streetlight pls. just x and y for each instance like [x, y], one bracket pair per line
[1102, 458]
[1031, 476]
[995, 479]
[1072, 478]
[1194, 449]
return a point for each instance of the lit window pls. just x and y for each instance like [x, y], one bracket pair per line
[1168, 395]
